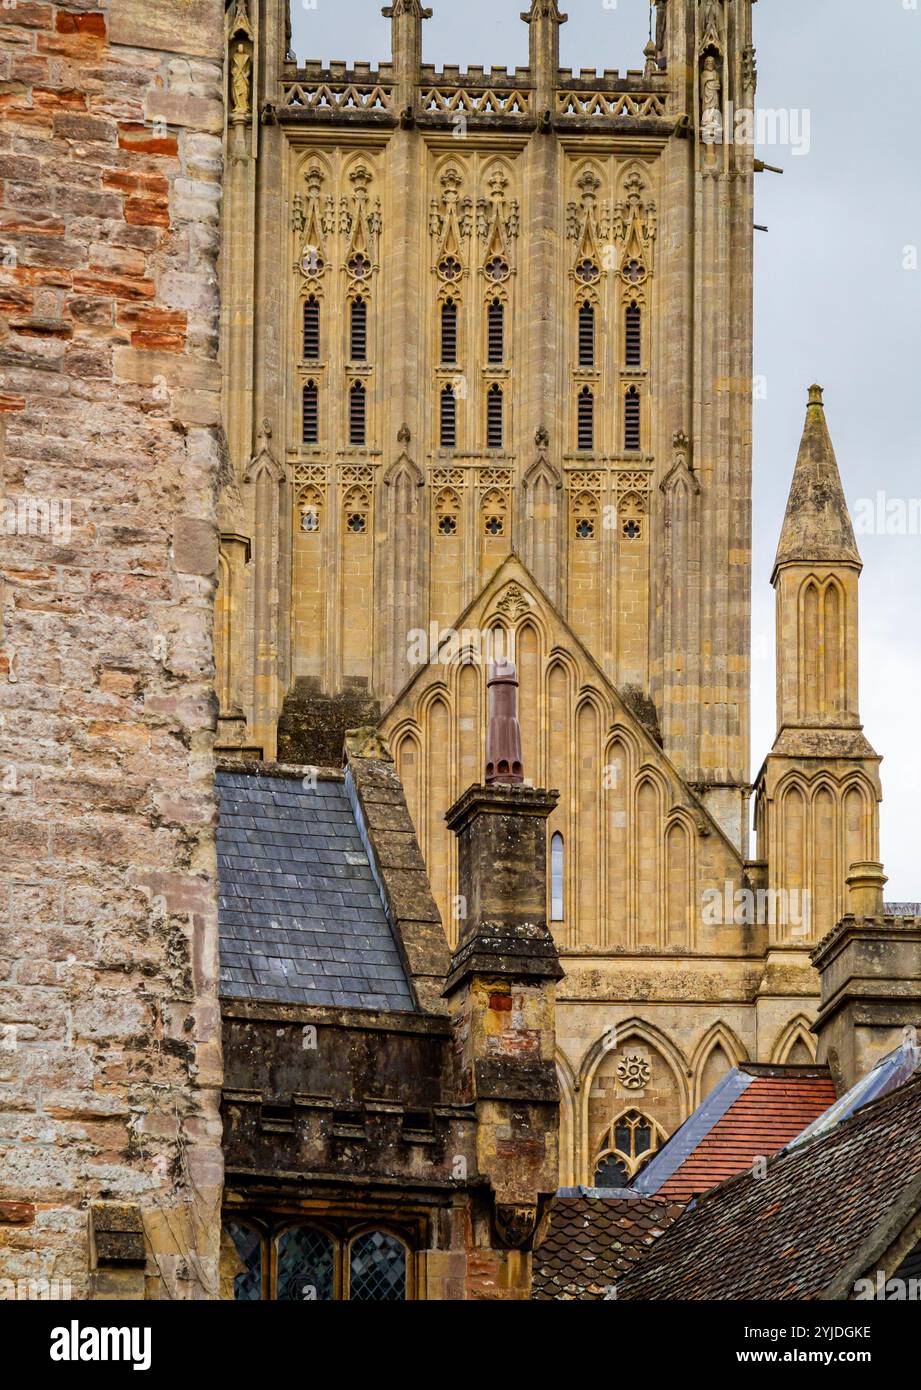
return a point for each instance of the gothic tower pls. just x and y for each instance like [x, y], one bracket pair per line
[487, 380]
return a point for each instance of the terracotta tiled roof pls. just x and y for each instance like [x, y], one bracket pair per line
[765, 1117]
[592, 1241]
[820, 1217]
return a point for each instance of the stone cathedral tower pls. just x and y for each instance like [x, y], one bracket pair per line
[487, 357]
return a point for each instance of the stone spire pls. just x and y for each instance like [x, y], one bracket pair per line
[503, 736]
[817, 527]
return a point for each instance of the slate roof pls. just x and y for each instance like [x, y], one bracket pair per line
[591, 1242]
[302, 919]
[815, 1222]
[751, 1114]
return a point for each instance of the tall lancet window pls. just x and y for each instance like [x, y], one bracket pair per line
[312, 329]
[586, 336]
[495, 417]
[310, 414]
[448, 420]
[632, 421]
[358, 331]
[556, 878]
[357, 413]
[449, 333]
[585, 431]
[633, 336]
[496, 332]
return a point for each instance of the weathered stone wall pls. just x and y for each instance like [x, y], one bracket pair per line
[110, 1061]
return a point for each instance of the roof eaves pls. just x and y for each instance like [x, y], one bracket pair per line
[881, 1238]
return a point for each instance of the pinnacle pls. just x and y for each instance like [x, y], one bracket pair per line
[817, 526]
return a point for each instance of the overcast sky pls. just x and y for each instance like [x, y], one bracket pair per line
[837, 301]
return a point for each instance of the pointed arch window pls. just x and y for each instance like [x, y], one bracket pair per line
[633, 335]
[557, 879]
[305, 1269]
[630, 513]
[358, 408]
[356, 511]
[448, 418]
[626, 1146]
[310, 510]
[587, 335]
[495, 332]
[495, 417]
[585, 517]
[585, 419]
[447, 513]
[312, 329]
[310, 413]
[632, 435]
[377, 1268]
[494, 510]
[358, 331]
[449, 333]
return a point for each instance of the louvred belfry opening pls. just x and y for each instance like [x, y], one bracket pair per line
[586, 336]
[496, 332]
[359, 331]
[633, 325]
[311, 329]
[310, 414]
[449, 333]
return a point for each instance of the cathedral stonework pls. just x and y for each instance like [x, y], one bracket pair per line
[385, 863]
[499, 326]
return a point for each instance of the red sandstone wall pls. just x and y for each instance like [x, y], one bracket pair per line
[110, 162]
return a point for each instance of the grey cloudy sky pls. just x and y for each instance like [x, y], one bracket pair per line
[837, 300]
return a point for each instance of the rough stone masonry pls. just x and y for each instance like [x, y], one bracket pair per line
[110, 453]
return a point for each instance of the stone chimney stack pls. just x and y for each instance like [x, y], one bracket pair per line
[502, 982]
[870, 969]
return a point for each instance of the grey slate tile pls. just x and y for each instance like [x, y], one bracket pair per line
[301, 918]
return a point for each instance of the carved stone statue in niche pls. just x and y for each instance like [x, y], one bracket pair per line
[240, 69]
[711, 101]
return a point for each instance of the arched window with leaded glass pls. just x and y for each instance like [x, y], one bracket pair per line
[625, 1147]
[241, 1262]
[305, 1266]
[313, 1263]
[377, 1268]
